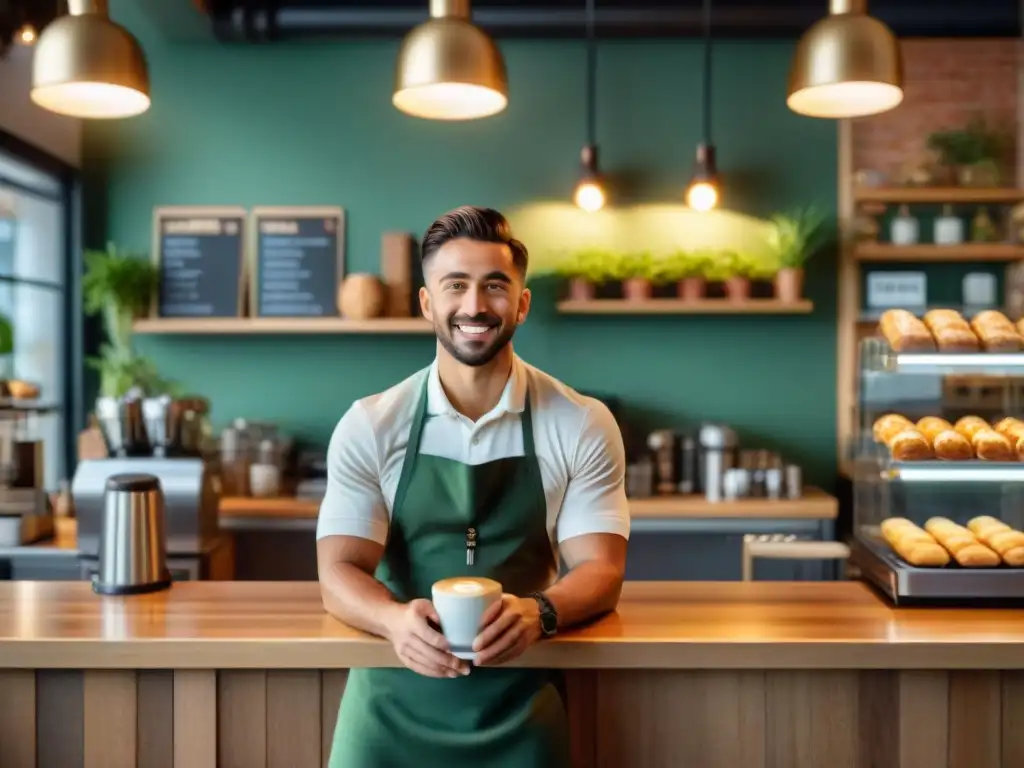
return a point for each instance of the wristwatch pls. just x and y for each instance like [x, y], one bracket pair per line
[548, 614]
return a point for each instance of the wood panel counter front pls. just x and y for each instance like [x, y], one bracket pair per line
[738, 675]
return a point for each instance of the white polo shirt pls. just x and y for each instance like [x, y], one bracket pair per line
[578, 444]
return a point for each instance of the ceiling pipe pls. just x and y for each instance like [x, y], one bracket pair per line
[255, 21]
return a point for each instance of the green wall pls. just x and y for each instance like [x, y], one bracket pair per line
[313, 124]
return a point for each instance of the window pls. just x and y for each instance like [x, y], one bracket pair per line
[38, 279]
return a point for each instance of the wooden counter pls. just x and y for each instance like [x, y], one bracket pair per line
[739, 675]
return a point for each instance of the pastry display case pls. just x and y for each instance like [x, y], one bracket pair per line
[938, 458]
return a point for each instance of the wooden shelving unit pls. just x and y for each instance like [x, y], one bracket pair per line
[282, 325]
[683, 307]
[937, 195]
[853, 257]
[946, 253]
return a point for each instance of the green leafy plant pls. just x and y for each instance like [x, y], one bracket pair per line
[972, 144]
[640, 265]
[794, 237]
[721, 265]
[119, 287]
[592, 264]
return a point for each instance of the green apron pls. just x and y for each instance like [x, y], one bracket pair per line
[495, 717]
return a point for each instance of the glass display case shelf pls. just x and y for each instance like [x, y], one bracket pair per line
[878, 357]
[955, 471]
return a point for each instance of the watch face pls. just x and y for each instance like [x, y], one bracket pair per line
[548, 623]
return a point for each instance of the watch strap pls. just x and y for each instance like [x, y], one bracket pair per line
[548, 614]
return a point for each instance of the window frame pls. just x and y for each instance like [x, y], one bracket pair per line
[69, 196]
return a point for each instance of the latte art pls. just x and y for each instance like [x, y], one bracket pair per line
[460, 603]
[466, 586]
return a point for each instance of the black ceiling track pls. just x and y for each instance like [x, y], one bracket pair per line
[255, 21]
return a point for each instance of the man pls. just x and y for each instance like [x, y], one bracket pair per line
[478, 440]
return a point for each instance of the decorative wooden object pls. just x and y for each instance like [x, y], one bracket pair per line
[963, 252]
[396, 269]
[937, 195]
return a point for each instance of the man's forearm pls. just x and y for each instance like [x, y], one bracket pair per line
[357, 598]
[588, 590]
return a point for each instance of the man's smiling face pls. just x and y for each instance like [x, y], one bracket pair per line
[476, 298]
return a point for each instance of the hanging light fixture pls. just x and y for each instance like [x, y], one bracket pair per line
[85, 65]
[702, 194]
[846, 65]
[589, 193]
[449, 69]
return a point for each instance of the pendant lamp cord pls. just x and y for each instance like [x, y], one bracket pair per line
[707, 71]
[591, 76]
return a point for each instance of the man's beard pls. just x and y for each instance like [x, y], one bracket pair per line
[474, 353]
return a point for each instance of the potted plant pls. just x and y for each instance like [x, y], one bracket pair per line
[973, 154]
[119, 287]
[584, 270]
[686, 270]
[637, 271]
[793, 238]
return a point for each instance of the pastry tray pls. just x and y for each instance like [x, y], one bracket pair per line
[905, 584]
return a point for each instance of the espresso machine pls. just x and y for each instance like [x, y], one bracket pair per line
[162, 437]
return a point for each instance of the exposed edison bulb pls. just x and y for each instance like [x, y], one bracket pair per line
[589, 196]
[702, 196]
[27, 34]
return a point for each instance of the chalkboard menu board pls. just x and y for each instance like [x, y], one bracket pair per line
[200, 253]
[299, 256]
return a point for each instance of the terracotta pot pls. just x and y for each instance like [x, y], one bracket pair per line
[691, 288]
[580, 289]
[636, 289]
[737, 288]
[789, 285]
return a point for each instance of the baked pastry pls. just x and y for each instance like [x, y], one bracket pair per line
[951, 332]
[910, 445]
[996, 332]
[997, 535]
[905, 332]
[886, 427]
[950, 445]
[989, 445]
[962, 544]
[930, 426]
[22, 390]
[913, 543]
[1013, 430]
[969, 425]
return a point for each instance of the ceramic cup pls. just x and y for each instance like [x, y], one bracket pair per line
[460, 603]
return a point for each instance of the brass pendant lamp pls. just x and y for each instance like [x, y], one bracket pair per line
[85, 65]
[449, 69]
[589, 193]
[846, 65]
[703, 193]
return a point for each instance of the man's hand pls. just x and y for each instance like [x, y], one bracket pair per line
[508, 628]
[419, 646]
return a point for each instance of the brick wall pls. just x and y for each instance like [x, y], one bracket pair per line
[946, 82]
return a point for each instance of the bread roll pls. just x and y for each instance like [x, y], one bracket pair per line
[989, 445]
[1006, 541]
[911, 445]
[930, 426]
[888, 426]
[961, 543]
[969, 425]
[904, 332]
[1010, 428]
[915, 545]
[996, 332]
[950, 445]
[951, 332]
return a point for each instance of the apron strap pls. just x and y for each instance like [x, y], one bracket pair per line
[412, 448]
[527, 423]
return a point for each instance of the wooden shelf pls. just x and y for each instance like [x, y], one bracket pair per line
[282, 325]
[965, 252]
[937, 195]
[815, 504]
[683, 307]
